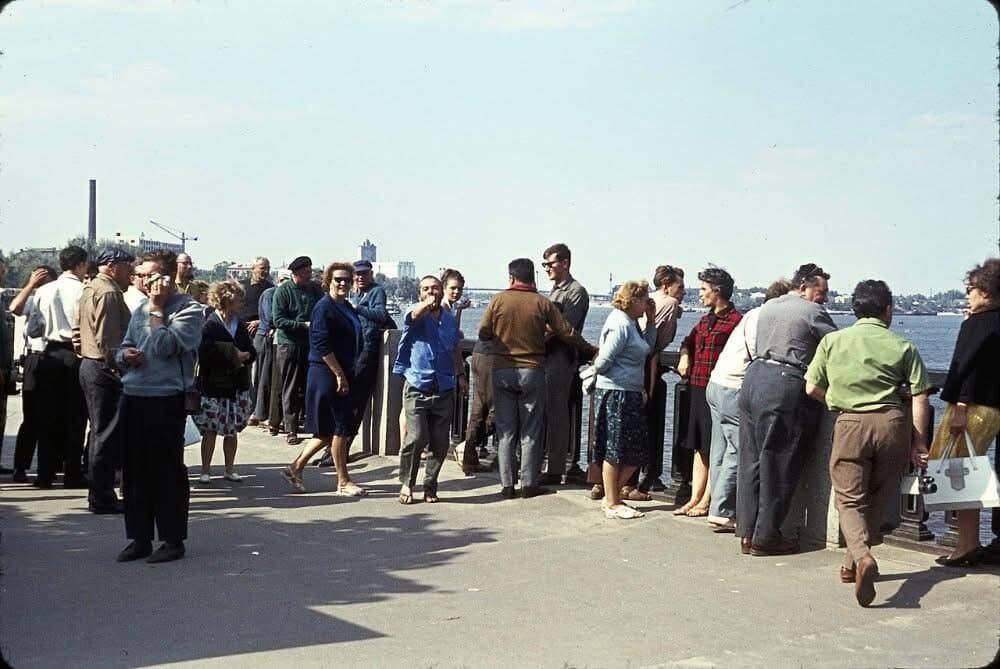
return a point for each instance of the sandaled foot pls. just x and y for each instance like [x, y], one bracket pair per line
[351, 489]
[682, 511]
[597, 492]
[405, 495]
[430, 496]
[636, 495]
[293, 480]
[622, 512]
[697, 512]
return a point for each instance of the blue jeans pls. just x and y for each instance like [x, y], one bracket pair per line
[519, 401]
[724, 458]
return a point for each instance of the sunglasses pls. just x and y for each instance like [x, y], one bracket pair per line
[341, 279]
[969, 289]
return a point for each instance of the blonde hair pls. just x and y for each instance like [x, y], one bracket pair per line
[222, 293]
[629, 291]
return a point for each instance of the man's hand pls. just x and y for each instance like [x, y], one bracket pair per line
[36, 278]
[159, 291]
[959, 420]
[463, 385]
[134, 357]
[252, 327]
[650, 312]
[918, 455]
[684, 365]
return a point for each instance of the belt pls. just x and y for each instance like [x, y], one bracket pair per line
[797, 368]
[59, 344]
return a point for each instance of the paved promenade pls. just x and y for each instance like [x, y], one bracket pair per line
[275, 579]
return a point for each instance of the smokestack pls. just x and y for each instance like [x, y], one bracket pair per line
[92, 221]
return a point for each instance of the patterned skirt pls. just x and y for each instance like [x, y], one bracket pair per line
[224, 416]
[620, 421]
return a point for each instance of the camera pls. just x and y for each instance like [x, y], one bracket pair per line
[926, 484]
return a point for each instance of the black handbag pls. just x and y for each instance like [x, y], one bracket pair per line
[192, 396]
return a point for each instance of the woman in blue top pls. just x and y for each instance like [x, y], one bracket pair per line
[335, 343]
[620, 442]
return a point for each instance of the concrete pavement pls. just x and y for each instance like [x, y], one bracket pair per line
[279, 579]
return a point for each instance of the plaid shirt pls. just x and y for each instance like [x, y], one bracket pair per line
[705, 342]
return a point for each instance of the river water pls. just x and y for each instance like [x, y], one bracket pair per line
[934, 337]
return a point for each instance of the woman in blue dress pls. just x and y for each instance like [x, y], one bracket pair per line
[334, 346]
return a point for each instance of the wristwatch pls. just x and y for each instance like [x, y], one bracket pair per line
[158, 314]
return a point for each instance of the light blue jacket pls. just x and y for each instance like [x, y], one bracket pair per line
[170, 351]
[621, 361]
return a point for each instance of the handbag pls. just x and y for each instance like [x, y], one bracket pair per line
[192, 396]
[962, 482]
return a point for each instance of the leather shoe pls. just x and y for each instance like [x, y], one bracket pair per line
[135, 551]
[549, 479]
[43, 484]
[19, 476]
[102, 509]
[846, 574]
[507, 492]
[253, 422]
[745, 545]
[293, 439]
[866, 569]
[780, 546]
[167, 553]
[534, 491]
[80, 483]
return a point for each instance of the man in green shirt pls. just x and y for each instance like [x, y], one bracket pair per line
[859, 372]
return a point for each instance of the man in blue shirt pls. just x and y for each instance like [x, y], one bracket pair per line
[427, 359]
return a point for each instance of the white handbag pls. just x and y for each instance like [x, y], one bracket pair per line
[962, 482]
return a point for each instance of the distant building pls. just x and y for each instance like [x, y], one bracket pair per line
[149, 245]
[367, 251]
[238, 272]
[396, 269]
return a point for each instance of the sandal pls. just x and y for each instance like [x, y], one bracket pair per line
[636, 495]
[681, 511]
[597, 492]
[405, 495]
[697, 512]
[622, 512]
[352, 489]
[722, 528]
[293, 480]
[431, 497]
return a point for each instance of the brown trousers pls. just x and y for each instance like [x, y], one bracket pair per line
[870, 452]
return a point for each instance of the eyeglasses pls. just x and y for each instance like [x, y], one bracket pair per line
[341, 279]
[969, 289]
[549, 263]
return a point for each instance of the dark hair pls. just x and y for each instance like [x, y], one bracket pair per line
[777, 289]
[333, 267]
[51, 271]
[719, 279]
[91, 269]
[166, 259]
[986, 277]
[522, 269]
[667, 275]
[561, 251]
[430, 276]
[808, 275]
[71, 256]
[870, 298]
[450, 274]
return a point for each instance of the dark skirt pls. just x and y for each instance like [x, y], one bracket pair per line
[699, 436]
[621, 427]
[327, 413]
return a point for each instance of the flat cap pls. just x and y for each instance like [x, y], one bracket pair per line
[112, 255]
[299, 263]
[362, 266]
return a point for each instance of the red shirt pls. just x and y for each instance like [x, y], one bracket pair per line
[705, 342]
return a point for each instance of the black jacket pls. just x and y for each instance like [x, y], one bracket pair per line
[974, 374]
[220, 373]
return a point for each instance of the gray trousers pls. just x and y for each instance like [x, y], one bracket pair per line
[264, 345]
[428, 425]
[724, 457]
[519, 399]
[103, 392]
[560, 370]
[293, 363]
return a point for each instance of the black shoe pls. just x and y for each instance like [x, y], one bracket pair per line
[779, 546]
[507, 492]
[293, 439]
[575, 475]
[549, 479]
[534, 491]
[6, 470]
[77, 483]
[273, 431]
[19, 476]
[167, 553]
[107, 509]
[44, 484]
[136, 551]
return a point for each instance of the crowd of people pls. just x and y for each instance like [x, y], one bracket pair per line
[134, 347]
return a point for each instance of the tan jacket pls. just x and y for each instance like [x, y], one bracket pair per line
[515, 323]
[103, 319]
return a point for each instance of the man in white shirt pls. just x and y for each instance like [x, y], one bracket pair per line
[62, 409]
[136, 293]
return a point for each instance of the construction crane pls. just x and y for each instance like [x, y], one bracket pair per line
[183, 236]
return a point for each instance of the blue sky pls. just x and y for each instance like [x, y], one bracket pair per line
[754, 135]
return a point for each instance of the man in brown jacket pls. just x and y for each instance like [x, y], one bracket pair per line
[515, 323]
[104, 319]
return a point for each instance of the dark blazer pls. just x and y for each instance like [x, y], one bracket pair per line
[220, 373]
[974, 374]
[336, 328]
[371, 306]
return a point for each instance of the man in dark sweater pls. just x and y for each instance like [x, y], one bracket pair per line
[253, 287]
[292, 307]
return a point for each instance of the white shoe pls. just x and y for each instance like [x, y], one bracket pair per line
[232, 476]
[204, 478]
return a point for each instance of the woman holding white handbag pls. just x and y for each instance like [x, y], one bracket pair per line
[972, 391]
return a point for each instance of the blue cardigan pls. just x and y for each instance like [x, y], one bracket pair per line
[621, 361]
[334, 327]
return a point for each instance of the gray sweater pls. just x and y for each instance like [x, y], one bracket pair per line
[621, 362]
[170, 350]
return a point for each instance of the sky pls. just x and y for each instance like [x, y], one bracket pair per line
[755, 135]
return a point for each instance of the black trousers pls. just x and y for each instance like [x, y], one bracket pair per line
[363, 386]
[27, 434]
[482, 416]
[777, 425]
[293, 363]
[655, 427]
[264, 345]
[62, 414]
[154, 478]
[274, 397]
[102, 391]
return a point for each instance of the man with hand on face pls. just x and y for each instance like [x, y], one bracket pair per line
[429, 361]
[104, 318]
[158, 356]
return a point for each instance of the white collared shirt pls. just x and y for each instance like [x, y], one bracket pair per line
[33, 320]
[58, 304]
[134, 298]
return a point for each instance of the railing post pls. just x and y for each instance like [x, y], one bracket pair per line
[460, 418]
[678, 491]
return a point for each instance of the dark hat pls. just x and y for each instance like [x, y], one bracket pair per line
[112, 255]
[362, 266]
[299, 263]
